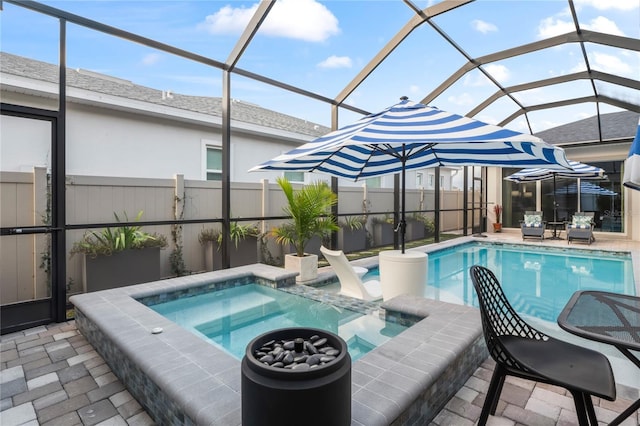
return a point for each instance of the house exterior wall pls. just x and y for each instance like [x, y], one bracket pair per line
[108, 135]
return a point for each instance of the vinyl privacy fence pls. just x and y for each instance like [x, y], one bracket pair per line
[95, 199]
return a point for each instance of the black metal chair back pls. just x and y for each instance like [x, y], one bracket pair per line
[512, 342]
[499, 318]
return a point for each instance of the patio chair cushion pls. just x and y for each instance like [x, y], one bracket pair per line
[532, 220]
[574, 226]
[581, 222]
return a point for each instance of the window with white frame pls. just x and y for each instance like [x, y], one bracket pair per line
[431, 181]
[374, 182]
[214, 163]
[297, 177]
[419, 180]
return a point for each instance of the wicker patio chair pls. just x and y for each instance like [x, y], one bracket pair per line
[522, 351]
[581, 227]
[533, 225]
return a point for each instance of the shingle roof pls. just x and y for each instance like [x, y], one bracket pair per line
[615, 126]
[241, 111]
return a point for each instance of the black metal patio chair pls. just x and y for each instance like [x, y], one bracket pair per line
[522, 351]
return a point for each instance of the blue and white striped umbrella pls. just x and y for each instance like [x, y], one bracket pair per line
[631, 178]
[411, 135]
[578, 170]
[584, 188]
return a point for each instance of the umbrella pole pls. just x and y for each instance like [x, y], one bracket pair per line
[555, 222]
[555, 205]
[403, 223]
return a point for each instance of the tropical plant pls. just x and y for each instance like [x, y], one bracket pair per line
[429, 226]
[497, 209]
[387, 218]
[309, 209]
[237, 233]
[353, 222]
[112, 240]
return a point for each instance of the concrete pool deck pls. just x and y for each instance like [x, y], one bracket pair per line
[52, 375]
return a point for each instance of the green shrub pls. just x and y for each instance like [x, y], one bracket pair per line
[237, 233]
[112, 240]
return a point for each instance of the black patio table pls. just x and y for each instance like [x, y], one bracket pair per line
[610, 318]
[555, 226]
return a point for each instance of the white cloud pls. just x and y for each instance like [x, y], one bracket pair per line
[228, 20]
[336, 62]
[487, 119]
[151, 59]
[609, 4]
[550, 27]
[581, 66]
[462, 99]
[483, 27]
[603, 25]
[554, 26]
[611, 64]
[498, 72]
[298, 19]
[415, 89]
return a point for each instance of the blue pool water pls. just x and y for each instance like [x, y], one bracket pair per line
[538, 282]
[231, 318]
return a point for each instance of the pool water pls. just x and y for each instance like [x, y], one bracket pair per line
[231, 318]
[538, 282]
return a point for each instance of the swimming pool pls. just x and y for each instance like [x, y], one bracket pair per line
[230, 318]
[537, 281]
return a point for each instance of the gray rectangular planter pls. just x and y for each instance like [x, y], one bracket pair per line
[121, 269]
[382, 234]
[415, 230]
[350, 240]
[245, 254]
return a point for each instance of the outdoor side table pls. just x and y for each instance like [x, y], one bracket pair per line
[606, 317]
[555, 226]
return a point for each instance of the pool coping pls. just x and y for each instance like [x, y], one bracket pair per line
[180, 378]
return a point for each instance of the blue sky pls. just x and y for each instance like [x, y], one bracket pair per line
[322, 45]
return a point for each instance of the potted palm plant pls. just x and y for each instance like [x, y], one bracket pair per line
[309, 209]
[244, 250]
[497, 210]
[120, 256]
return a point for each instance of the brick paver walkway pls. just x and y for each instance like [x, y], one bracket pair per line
[53, 376]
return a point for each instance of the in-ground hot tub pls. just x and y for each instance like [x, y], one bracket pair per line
[181, 379]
